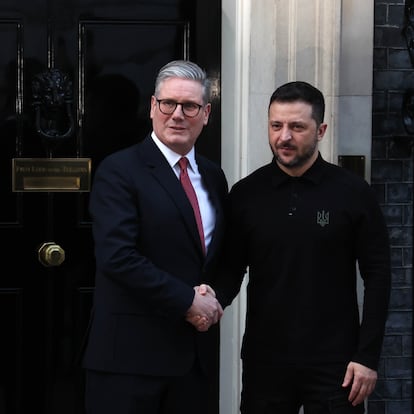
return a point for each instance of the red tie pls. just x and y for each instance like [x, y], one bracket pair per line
[189, 190]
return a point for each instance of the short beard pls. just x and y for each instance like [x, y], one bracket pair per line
[300, 159]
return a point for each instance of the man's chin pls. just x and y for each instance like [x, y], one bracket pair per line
[287, 161]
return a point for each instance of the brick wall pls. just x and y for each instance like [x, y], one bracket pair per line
[392, 177]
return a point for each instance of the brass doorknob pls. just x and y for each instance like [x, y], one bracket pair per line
[51, 254]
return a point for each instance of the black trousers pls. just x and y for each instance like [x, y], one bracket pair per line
[108, 393]
[284, 388]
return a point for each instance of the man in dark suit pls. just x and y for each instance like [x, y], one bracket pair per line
[143, 354]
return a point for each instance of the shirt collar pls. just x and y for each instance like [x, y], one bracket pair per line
[171, 156]
[313, 174]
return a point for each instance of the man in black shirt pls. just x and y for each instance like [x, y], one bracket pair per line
[301, 226]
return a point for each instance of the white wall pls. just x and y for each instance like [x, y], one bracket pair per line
[355, 80]
[266, 43]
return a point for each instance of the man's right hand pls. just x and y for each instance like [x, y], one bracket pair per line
[205, 310]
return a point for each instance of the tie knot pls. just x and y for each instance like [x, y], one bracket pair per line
[183, 163]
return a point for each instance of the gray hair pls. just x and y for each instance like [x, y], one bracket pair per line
[184, 69]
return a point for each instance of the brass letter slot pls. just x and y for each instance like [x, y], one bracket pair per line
[51, 174]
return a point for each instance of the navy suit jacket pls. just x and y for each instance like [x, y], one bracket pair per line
[148, 259]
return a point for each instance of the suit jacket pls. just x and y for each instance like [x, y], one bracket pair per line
[148, 259]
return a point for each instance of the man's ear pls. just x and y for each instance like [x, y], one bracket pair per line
[321, 131]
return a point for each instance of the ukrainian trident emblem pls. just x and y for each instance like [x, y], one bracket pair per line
[322, 218]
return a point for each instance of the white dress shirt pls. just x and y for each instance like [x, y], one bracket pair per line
[207, 211]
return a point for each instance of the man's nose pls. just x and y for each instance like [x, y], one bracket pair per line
[285, 134]
[178, 112]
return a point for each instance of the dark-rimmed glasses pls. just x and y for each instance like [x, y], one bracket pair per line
[167, 107]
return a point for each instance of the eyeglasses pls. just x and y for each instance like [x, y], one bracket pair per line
[190, 109]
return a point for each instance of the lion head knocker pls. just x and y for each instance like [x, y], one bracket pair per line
[52, 100]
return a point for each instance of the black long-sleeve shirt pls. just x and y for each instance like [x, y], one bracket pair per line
[301, 239]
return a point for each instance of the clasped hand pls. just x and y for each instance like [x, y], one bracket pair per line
[205, 309]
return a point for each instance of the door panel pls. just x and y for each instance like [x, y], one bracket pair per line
[110, 50]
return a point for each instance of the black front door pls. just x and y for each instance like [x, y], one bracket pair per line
[76, 78]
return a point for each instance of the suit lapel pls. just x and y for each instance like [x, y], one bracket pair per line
[160, 169]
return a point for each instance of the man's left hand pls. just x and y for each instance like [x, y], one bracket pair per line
[362, 379]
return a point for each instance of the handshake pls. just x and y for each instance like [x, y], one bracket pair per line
[205, 309]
